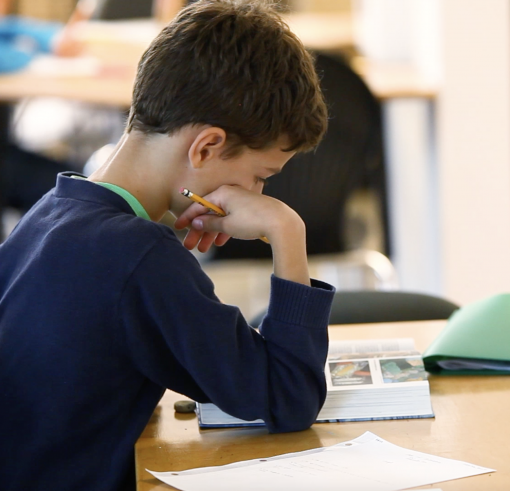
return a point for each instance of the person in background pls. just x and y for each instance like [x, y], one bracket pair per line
[25, 176]
[28, 165]
[22, 38]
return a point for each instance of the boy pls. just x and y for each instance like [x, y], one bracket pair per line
[102, 308]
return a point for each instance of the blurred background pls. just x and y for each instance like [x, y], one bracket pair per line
[411, 184]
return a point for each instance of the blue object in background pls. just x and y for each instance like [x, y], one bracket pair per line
[21, 39]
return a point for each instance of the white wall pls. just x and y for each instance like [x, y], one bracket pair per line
[399, 31]
[450, 212]
[474, 148]
[411, 170]
[407, 32]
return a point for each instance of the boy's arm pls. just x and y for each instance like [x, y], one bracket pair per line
[182, 337]
[251, 215]
[288, 245]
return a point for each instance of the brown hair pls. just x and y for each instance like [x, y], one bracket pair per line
[232, 64]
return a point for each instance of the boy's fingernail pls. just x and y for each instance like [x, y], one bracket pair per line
[198, 224]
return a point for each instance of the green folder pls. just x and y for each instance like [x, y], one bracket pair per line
[479, 332]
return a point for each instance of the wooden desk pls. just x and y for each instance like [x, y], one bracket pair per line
[119, 46]
[471, 424]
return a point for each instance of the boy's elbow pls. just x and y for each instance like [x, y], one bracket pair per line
[298, 416]
[290, 426]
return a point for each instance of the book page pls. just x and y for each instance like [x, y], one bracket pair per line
[360, 346]
[365, 364]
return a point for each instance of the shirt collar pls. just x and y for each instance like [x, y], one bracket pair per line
[135, 205]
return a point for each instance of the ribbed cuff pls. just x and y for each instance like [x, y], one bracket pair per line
[295, 303]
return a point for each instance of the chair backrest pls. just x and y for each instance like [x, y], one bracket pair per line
[318, 184]
[373, 306]
[122, 9]
[365, 306]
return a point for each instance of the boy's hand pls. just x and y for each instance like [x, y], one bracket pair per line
[250, 215]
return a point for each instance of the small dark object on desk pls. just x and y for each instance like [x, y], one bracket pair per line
[185, 406]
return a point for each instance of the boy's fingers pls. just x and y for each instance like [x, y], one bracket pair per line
[221, 239]
[186, 218]
[202, 240]
[193, 211]
[179, 223]
[182, 222]
[208, 223]
[207, 226]
[192, 238]
[206, 242]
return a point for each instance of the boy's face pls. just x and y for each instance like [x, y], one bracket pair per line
[250, 169]
[207, 168]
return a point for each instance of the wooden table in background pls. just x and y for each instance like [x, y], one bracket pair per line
[119, 44]
[471, 424]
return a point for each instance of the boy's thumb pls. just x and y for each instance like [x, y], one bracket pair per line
[207, 223]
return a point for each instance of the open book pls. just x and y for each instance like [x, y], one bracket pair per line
[367, 380]
[475, 340]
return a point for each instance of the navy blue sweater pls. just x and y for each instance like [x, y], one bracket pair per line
[100, 311]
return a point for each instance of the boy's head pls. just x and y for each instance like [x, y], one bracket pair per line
[232, 64]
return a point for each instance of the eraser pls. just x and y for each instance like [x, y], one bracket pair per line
[185, 406]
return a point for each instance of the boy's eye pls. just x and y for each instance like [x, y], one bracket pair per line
[261, 180]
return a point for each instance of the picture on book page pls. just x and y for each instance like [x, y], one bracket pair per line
[350, 373]
[409, 369]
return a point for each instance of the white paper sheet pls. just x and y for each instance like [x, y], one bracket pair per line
[55, 66]
[367, 463]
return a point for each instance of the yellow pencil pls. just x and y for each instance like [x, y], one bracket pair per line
[211, 207]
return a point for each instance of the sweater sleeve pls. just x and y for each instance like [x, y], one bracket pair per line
[180, 336]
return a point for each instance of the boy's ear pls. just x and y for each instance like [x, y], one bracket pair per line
[207, 145]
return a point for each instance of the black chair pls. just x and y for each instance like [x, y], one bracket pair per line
[122, 9]
[368, 306]
[361, 307]
[318, 184]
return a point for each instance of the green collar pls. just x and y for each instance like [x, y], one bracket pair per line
[131, 200]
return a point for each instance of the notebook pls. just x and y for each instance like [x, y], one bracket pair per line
[475, 340]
